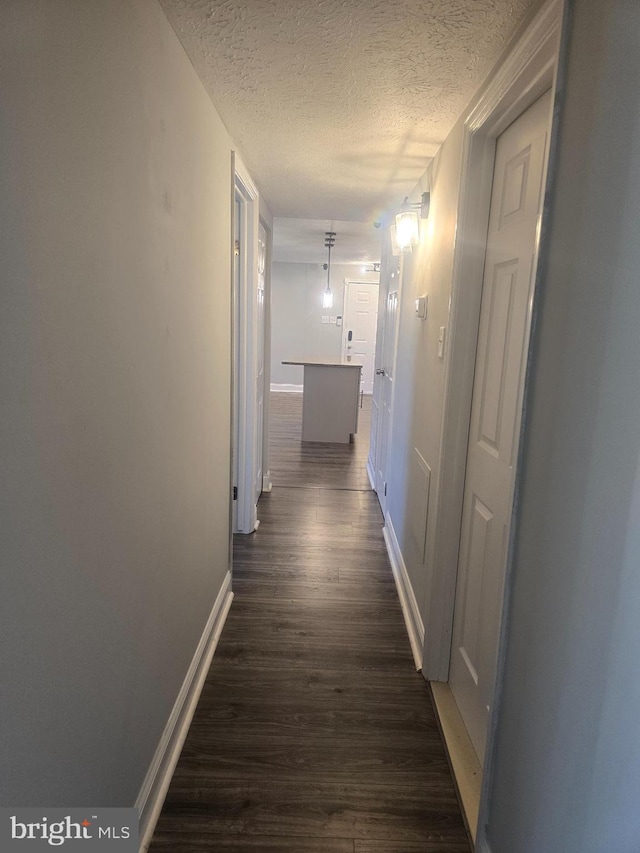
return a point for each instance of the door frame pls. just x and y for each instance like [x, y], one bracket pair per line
[245, 371]
[528, 71]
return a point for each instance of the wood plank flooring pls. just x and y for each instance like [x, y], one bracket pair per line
[314, 733]
[292, 463]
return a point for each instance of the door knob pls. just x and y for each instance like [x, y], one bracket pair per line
[380, 371]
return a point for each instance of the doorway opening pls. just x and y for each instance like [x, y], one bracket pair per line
[384, 371]
[249, 319]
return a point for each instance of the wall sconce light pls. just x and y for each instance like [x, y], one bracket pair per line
[405, 232]
[329, 242]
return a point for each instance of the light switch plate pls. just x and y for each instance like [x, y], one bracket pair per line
[441, 342]
[325, 318]
[332, 320]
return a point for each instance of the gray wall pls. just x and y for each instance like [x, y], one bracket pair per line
[114, 372]
[297, 331]
[567, 772]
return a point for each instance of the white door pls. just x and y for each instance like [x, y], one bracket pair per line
[383, 391]
[516, 200]
[359, 329]
[260, 319]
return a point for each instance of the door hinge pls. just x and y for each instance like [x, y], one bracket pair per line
[385, 490]
[235, 493]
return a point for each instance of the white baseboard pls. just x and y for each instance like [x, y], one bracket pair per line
[371, 475]
[267, 485]
[410, 611]
[285, 388]
[156, 783]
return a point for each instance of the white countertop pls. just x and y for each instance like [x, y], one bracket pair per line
[319, 362]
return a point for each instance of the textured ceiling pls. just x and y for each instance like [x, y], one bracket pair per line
[337, 105]
[302, 241]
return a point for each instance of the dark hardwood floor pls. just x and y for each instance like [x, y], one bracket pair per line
[334, 466]
[314, 733]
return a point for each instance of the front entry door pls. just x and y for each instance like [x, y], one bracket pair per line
[360, 326]
[505, 313]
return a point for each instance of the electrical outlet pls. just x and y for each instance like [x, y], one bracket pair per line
[332, 320]
[325, 318]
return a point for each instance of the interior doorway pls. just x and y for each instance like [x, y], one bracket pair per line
[382, 400]
[505, 317]
[248, 351]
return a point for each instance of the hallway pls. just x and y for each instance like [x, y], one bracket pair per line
[313, 732]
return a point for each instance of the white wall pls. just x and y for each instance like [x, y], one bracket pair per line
[419, 378]
[567, 766]
[115, 375]
[297, 331]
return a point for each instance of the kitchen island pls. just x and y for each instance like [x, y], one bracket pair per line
[330, 400]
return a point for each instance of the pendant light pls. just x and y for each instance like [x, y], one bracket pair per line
[329, 242]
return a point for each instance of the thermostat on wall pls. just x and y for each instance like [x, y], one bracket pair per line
[421, 307]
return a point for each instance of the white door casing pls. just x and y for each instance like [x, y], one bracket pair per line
[503, 335]
[248, 436]
[360, 318]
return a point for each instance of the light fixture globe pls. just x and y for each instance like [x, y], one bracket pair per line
[407, 231]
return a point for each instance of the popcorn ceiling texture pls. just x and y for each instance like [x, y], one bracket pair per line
[337, 105]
